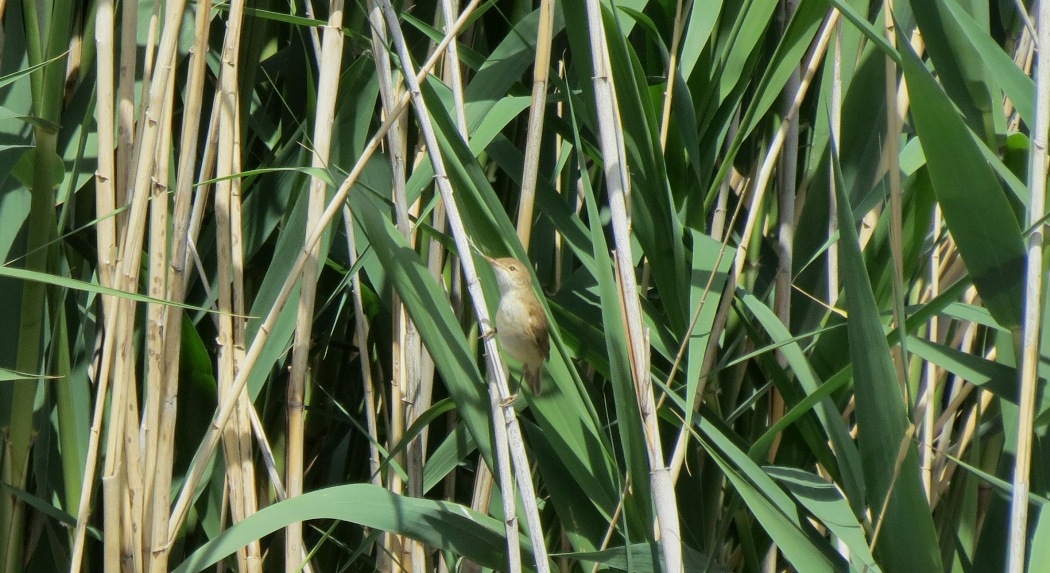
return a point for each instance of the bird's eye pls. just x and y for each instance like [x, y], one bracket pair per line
[513, 267]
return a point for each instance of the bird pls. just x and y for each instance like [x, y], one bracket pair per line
[521, 323]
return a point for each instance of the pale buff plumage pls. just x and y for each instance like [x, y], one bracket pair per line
[521, 324]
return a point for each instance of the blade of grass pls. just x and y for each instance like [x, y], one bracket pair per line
[908, 538]
[975, 208]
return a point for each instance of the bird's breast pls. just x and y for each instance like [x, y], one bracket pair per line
[513, 329]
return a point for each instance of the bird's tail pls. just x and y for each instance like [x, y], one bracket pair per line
[534, 377]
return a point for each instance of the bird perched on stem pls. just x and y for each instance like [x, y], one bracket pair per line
[521, 324]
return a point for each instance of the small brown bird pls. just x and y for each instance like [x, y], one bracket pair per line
[521, 324]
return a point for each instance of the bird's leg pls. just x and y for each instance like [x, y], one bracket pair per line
[491, 330]
[509, 400]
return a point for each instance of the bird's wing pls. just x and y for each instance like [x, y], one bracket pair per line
[539, 332]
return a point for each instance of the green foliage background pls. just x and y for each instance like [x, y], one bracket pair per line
[834, 481]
